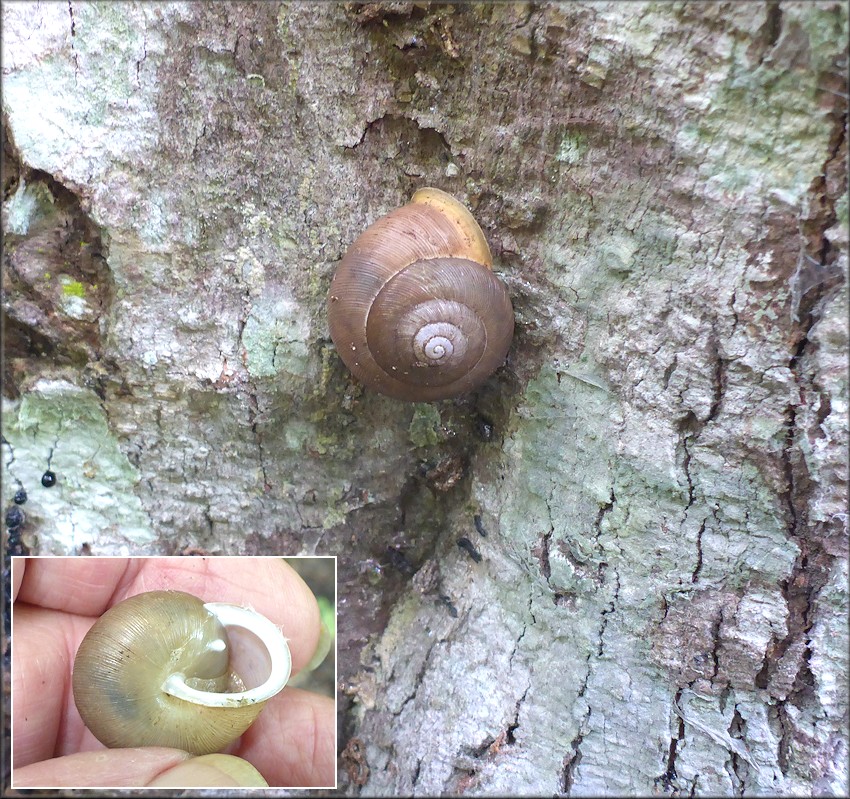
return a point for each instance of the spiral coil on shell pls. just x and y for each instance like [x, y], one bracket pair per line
[415, 310]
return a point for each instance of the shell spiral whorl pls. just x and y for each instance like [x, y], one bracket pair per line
[414, 307]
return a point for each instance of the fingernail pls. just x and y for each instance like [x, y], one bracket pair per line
[211, 771]
[322, 648]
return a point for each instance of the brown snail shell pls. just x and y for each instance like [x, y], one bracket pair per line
[414, 308]
[154, 670]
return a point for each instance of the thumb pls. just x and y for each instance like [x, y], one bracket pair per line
[147, 766]
[213, 771]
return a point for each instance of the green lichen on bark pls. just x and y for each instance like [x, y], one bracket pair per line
[60, 427]
[424, 426]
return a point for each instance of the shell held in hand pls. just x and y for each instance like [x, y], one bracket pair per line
[155, 670]
[414, 308]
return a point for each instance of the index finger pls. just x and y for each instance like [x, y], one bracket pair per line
[89, 586]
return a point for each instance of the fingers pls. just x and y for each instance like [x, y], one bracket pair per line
[107, 768]
[45, 721]
[89, 586]
[83, 586]
[293, 742]
[19, 565]
[153, 767]
[212, 771]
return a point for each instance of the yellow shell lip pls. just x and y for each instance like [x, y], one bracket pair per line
[461, 216]
[273, 641]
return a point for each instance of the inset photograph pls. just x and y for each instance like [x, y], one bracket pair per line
[173, 672]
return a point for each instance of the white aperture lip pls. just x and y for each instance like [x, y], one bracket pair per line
[276, 648]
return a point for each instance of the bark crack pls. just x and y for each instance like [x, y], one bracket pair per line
[510, 737]
[698, 567]
[604, 510]
[571, 761]
[668, 780]
[253, 421]
[668, 372]
[417, 681]
[740, 771]
[718, 381]
[52, 449]
[715, 644]
[516, 645]
[606, 612]
[543, 556]
[770, 29]
[573, 757]
[810, 571]
[7, 443]
[141, 61]
[686, 464]
[784, 738]
[73, 35]
[253, 402]
[472, 758]
[690, 426]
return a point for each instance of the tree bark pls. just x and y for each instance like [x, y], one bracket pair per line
[656, 482]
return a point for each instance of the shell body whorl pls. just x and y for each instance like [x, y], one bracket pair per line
[126, 661]
[414, 307]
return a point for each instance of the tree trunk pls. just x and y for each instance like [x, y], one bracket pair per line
[655, 482]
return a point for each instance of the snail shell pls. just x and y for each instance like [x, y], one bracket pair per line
[414, 308]
[154, 670]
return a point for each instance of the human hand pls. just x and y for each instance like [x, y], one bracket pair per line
[56, 601]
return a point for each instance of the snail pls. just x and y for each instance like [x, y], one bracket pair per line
[157, 670]
[414, 308]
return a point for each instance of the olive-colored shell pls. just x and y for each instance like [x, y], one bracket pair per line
[130, 652]
[414, 308]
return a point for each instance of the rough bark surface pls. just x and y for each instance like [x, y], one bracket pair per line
[656, 482]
